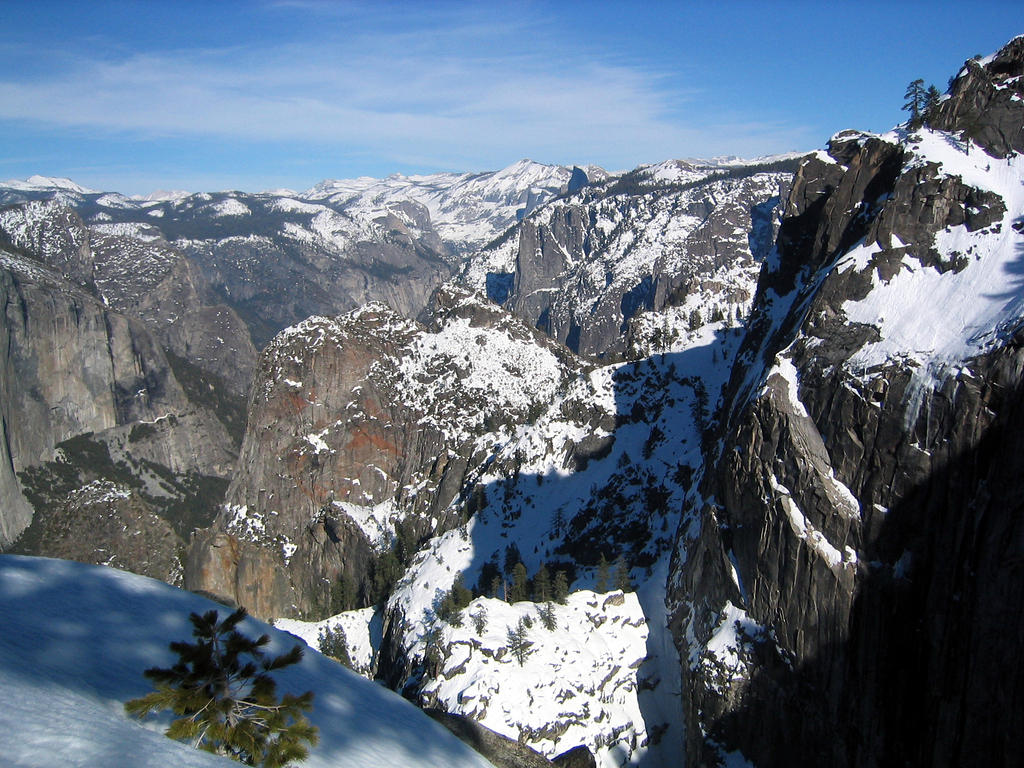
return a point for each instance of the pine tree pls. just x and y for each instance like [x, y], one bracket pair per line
[488, 573]
[547, 616]
[343, 594]
[915, 96]
[542, 585]
[518, 589]
[227, 704]
[461, 594]
[457, 598]
[387, 570]
[622, 580]
[512, 557]
[446, 610]
[518, 645]
[332, 642]
[602, 574]
[479, 618]
[497, 588]
[561, 588]
[931, 101]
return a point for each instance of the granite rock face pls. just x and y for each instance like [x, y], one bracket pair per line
[849, 583]
[366, 422]
[77, 369]
[985, 101]
[135, 272]
[71, 366]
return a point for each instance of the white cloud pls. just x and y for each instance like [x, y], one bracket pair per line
[450, 95]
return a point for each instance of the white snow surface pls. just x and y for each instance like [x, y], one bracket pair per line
[34, 183]
[581, 677]
[363, 633]
[77, 639]
[135, 230]
[935, 321]
[489, 363]
[229, 207]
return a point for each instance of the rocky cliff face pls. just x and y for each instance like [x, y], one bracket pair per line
[622, 268]
[87, 395]
[118, 384]
[135, 272]
[848, 580]
[365, 422]
[599, 474]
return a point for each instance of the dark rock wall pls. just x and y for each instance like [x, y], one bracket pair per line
[872, 532]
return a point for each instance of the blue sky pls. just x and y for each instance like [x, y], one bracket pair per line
[141, 96]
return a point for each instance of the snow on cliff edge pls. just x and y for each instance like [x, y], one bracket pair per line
[77, 639]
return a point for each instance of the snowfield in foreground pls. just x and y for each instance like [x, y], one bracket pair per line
[77, 638]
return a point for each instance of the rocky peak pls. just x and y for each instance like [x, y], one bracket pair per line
[852, 551]
[607, 269]
[985, 101]
[365, 422]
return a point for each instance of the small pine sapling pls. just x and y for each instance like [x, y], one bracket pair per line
[226, 703]
[479, 619]
[517, 643]
[547, 616]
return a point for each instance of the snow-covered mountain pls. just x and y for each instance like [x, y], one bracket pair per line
[78, 638]
[638, 263]
[277, 257]
[467, 210]
[476, 437]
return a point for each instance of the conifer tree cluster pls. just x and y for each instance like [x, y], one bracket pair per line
[457, 598]
[347, 593]
[512, 583]
[225, 699]
[920, 101]
[606, 579]
[334, 644]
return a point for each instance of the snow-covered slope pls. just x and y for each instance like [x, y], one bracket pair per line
[76, 640]
[935, 319]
